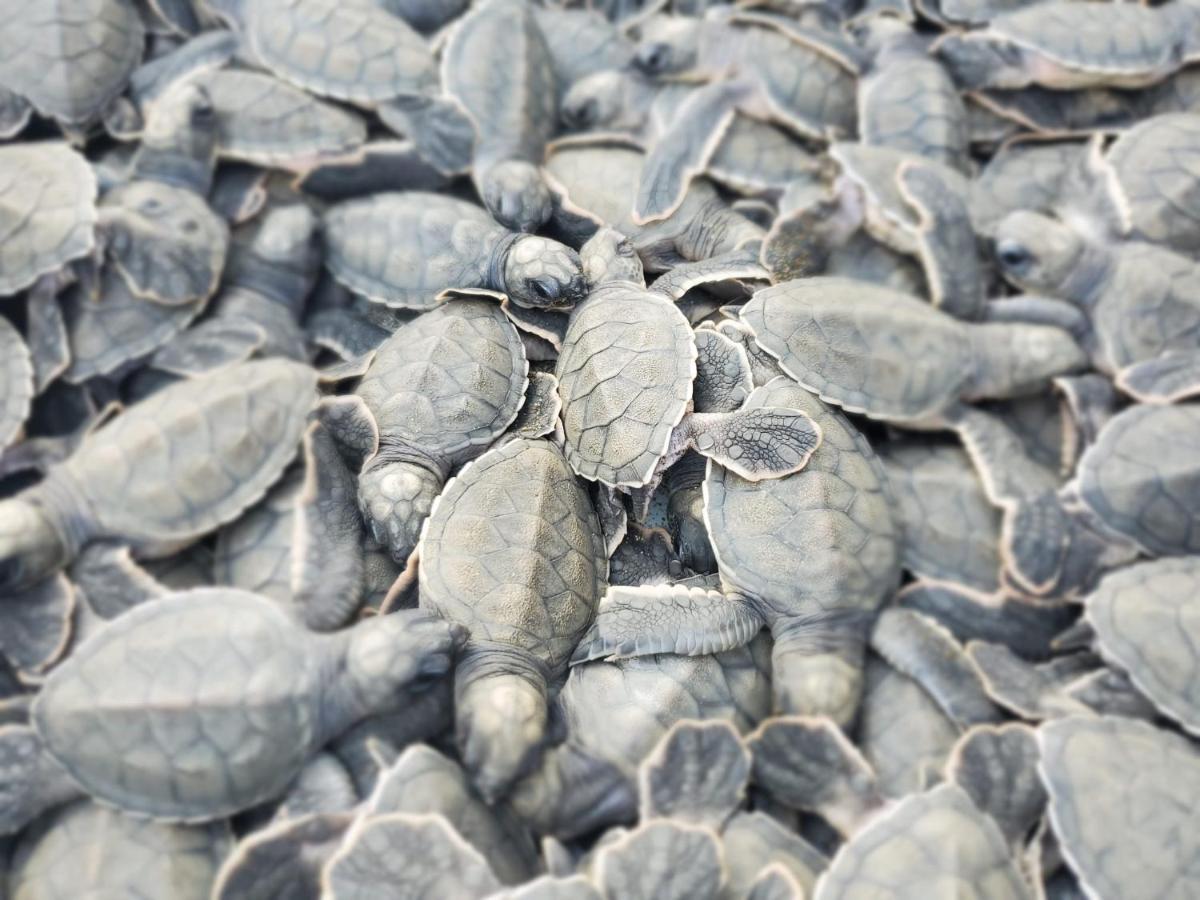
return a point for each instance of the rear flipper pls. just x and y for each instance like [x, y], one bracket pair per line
[31, 782]
[573, 793]
[210, 345]
[444, 135]
[817, 670]
[641, 621]
[1167, 379]
[765, 442]
[685, 149]
[809, 764]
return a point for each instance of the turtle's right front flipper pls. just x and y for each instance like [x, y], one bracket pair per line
[766, 442]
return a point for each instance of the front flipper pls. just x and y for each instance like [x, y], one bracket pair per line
[538, 415]
[112, 581]
[697, 773]
[662, 860]
[766, 442]
[722, 374]
[210, 345]
[36, 624]
[945, 242]
[736, 264]
[1168, 379]
[573, 793]
[327, 556]
[684, 150]
[46, 333]
[808, 764]
[31, 782]
[442, 132]
[640, 621]
[997, 766]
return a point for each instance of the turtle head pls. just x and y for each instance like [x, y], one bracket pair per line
[613, 100]
[390, 658]
[1037, 253]
[609, 256]
[30, 546]
[395, 499]
[516, 194]
[288, 244]
[179, 145]
[543, 274]
[669, 45]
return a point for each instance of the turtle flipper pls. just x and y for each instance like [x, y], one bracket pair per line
[776, 883]
[683, 151]
[112, 581]
[36, 624]
[46, 333]
[572, 793]
[736, 264]
[1167, 379]
[945, 241]
[283, 859]
[407, 855]
[31, 782]
[640, 621]
[662, 860]
[442, 132]
[997, 767]
[698, 773]
[766, 442]
[327, 556]
[210, 345]
[808, 764]
[722, 374]
[539, 413]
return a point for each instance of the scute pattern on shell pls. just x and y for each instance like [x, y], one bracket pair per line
[625, 375]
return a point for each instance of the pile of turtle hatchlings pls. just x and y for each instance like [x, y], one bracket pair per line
[531, 451]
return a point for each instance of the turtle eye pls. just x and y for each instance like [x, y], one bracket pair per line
[581, 115]
[544, 289]
[1013, 257]
[653, 58]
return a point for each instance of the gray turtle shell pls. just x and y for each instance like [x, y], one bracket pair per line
[85, 850]
[192, 456]
[230, 715]
[864, 347]
[1019, 176]
[513, 550]
[1142, 477]
[625, 377]
[69, 57]
[448, 382]
[1145, 617]
[47, 211]
[819, 540]
[1123, 800]
[404, 249]
[16, 382]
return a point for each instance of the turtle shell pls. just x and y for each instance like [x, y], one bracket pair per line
[69, 57]
[1145, 617]
[1020, 176]
[254, 553]
[625, 378]
[512, 549]
[127, 857]
[47, 211]
[448, 382]
[1142, 477]
[865, 347]
[194, 455]
[16, 382]
[187, 708]
[404, 249]
[821, 539]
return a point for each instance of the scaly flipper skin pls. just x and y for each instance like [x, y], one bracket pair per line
[662, 860]
[996, 765]
[698, 773]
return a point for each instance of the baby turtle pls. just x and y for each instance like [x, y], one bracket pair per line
[140, 676]
[1143, 617]
[436, 393]
[1101, 769]
[876, 351]
[1062, 45]
[69, 58]
[626, 374]
[47, 211]
[168, 470]
[497, 66]
[512, 552]
[404, 250]
[818, 604]
[132, 857]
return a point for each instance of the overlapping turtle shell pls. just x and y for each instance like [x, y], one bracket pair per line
[450, 380]
[625, 377]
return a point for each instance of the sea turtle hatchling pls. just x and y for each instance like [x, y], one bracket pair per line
[626, 374]
[818, 603]
[1063, 45]
[198, 662]
[512, 552]
[47, 211]
[1123, 793]
[167, 470]
[877, 351]
[405, 249]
